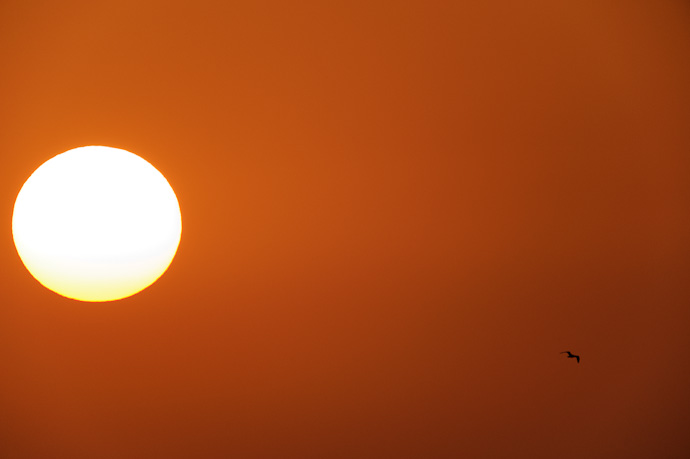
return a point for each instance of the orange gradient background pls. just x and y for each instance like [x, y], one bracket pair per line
[396, 215]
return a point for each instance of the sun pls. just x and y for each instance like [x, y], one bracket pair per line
[96, 224]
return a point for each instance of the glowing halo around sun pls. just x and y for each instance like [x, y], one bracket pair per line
[96, 224]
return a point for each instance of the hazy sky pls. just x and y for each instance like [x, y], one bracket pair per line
[395, 216]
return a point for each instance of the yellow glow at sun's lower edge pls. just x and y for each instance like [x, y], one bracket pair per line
[89, 282]
[96, 224]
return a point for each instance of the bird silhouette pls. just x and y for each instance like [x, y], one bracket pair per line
[572, 356]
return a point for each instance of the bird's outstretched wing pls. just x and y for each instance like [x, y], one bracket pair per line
[578, 358]
[565, 352]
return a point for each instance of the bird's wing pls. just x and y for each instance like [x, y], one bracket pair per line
[565, 352]
[578, 358]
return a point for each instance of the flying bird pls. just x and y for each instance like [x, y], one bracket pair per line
[572, 356]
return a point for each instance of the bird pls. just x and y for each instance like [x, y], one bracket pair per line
[572, 356]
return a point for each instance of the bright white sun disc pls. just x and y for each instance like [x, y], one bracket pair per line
[96, 224]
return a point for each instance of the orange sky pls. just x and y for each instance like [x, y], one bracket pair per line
[395, 216]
